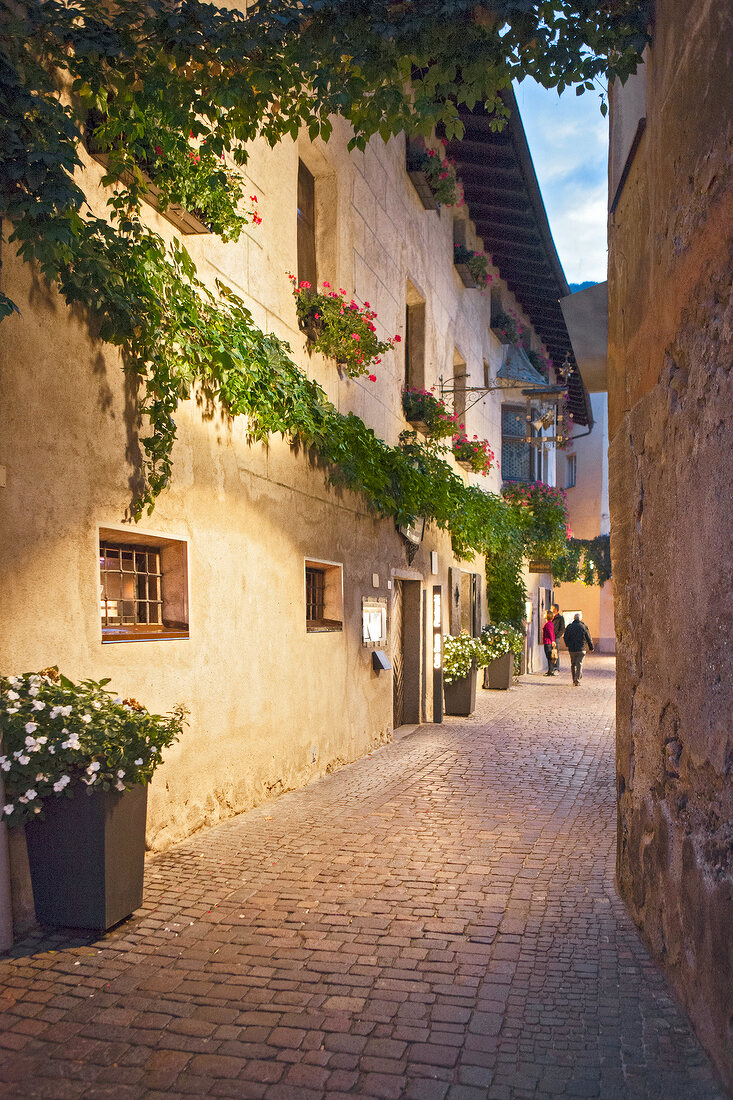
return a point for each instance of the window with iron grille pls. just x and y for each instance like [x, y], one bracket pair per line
[143, 589]
[315, 594]
[517, 459]
[324, 596]
[571, 471]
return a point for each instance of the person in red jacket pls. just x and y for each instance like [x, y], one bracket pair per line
[548, 641]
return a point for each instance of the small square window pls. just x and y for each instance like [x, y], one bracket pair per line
[143, 588]
[324, 596]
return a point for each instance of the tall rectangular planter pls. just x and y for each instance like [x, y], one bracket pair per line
[500, 672]
[87, 858]
[460, 695]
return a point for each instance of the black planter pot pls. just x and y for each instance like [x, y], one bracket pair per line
[460, 695]
[87, 858]
[500, 672]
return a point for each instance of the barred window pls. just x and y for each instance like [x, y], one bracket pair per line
[143, 589]
[324, 596]
[516, 453]
[315, 594]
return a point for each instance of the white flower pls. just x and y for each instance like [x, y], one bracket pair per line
[72, 743]
[13, 680]
[13, 695]
[8, 809]
[119, 785]
[54, 712]
[30, 794]
[139, 761]
[39, 705]
[93, 768]
[31, 727]
[34, 678]
[96, 705]
[33, 690]
[31, 744]
[86, 717]
[61, 783]
[120, 773]
[89, 781]
[52, 750]
[5, 765]
[13, 710]
[22, 799]
[41, 778]
[24, 760]
[41, 740]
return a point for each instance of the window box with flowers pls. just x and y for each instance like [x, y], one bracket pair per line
[76, 766]
[474, 455]
[339, 328]
[427, 414]
[506, 327]
[183, 178]
[433, 175]
[472, 267]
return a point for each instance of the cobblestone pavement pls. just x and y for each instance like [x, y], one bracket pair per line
[438, 920]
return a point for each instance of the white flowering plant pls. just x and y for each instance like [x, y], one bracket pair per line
[59, 737]
[460, 653]
[501, 638]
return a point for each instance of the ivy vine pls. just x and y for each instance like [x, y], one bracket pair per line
[170, 93]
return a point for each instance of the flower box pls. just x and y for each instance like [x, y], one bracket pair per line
[419, 181]
[460, 695]
[418, 426]
[185, 220]
[468, 466]
[87, 857]
[466, 276]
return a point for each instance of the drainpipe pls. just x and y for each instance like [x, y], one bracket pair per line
[6, 909]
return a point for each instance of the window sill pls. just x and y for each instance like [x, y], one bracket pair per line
[125, 635]
[324, 626]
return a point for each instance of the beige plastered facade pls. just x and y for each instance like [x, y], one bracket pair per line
[271, 706]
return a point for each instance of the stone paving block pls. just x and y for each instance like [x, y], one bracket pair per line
[437, 921]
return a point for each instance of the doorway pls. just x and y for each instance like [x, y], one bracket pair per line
[405, 653]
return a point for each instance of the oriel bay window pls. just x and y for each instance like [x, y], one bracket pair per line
[143, 587]
[517, 459]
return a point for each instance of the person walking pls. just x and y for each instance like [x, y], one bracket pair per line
[548, 641]
[577, 638]
[558, 622]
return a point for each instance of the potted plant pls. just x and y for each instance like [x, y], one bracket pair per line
[427, 413]
[76, 766]
[462, 656]
[433, 175]
[340, 328]
[472, 267]
[504, 646]
[472, 454]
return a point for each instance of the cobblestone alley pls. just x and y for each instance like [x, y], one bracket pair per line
[436, 920]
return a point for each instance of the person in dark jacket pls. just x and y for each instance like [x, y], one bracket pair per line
[558, 621]
[548, 640]
[577, 638]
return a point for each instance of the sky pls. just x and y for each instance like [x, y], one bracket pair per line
[568, 140]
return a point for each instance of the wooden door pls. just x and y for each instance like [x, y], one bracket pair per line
[398, 657]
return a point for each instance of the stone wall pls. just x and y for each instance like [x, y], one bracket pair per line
[671, 432]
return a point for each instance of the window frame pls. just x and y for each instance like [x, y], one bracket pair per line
[333, 596]
[307, 250]
[172, 554]
[571, 471]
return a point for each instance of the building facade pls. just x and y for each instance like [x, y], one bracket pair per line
[247, 592]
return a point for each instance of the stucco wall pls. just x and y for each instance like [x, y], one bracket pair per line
[271, 706]
[671, 428]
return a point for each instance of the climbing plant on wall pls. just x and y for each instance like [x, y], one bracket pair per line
[169, 94]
